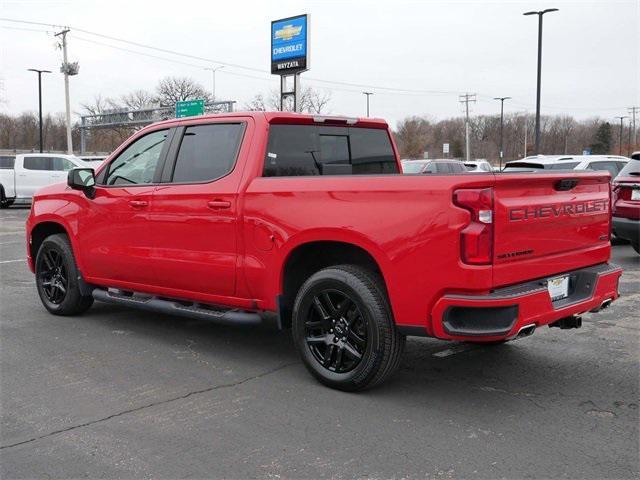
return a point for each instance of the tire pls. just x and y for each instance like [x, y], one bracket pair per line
[347, 341]
[636, 247]
[57, 278]
[4, 201]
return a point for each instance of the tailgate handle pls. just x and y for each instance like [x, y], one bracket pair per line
[566, 184]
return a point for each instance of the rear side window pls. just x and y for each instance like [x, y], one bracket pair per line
[7, 162]
[207, 152]
[304, 150]
[38, 163]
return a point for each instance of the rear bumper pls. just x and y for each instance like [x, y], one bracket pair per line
[502, 313]
[627, 228]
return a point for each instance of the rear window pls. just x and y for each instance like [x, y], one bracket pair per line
[632, 168]
[302, 150]
[7, 162]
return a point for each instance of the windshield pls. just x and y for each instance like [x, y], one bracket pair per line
[412, 167]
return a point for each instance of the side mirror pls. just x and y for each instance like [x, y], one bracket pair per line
[82, 179]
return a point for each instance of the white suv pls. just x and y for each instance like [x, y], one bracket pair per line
[612, 163]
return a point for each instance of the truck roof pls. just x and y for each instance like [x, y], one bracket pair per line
[286, 117]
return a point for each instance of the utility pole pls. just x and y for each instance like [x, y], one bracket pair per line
[633, 111]
[620, 137]
[368, 94]
[502, 99]
[540, 14]
[525, 136]
[67, 71]
[39, 72]
[213, 79]
[466, 98]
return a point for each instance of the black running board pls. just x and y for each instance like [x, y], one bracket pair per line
[178, 307]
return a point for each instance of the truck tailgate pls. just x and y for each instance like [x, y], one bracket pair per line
[549, 223]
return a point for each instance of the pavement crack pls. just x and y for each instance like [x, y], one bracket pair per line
[153, 404]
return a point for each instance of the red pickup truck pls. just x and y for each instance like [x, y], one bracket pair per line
[307, 221]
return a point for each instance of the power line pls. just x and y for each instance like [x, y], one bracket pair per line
[357, 87]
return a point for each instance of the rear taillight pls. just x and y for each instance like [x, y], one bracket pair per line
[476, 239]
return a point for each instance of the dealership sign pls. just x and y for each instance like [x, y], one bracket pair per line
[290, 45]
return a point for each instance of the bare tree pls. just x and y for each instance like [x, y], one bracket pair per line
[257, 103]
[171, 90]
[139, 100]
[314, 101]
[311, 101]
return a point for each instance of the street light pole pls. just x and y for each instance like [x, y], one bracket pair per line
[39, 72]
[213, 79]
[620, 136]
[502, 99]
[540, 14]
[368, 94]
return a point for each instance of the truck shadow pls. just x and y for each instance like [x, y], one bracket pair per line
[530, 369]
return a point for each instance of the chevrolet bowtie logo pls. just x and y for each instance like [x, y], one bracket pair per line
[288, 32]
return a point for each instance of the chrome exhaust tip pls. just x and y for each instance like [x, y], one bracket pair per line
[526, 331]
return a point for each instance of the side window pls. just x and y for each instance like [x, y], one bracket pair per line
[137, 164]
[38, 163]
[430, 168]
[443, 167]
[207, 152]
[62, 164]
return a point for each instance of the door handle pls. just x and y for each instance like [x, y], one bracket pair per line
[218, 204]
[138, 203]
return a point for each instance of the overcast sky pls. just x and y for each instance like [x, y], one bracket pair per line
[591, 52]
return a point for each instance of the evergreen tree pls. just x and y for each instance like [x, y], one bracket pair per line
[602, 140]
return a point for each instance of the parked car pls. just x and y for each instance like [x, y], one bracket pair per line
[26, 173]
[611, 163]
[246, 217]
[478, 166]
[433, 166]
[626, 203]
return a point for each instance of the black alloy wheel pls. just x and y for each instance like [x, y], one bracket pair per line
[53, 276]
[335, 331]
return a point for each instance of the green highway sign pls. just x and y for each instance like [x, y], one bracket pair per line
[189, 108]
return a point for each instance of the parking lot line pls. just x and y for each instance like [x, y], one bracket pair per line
[14, 261]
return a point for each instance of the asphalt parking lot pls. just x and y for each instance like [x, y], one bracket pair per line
[130, 394]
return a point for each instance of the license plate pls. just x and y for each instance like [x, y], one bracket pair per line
[635, 194]
[558, 288]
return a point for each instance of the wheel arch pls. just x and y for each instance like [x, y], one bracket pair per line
[308, 257]
[45, 228]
